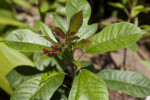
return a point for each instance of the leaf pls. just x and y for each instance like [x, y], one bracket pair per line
[77, 63]
[146, 64]
[135, 10]
[61, 10]
[75, 22]
[26, 40]
[81, 44]
[53, 42]
[117, 5]
[59, 31]
[9, 21]
[133, 47]
[40, 61]
[46, 31]
[74, 6]
[32, 90]
[9, 59]
[21, 73]
[48, 75]
[87, 65]
[88, 86]
[129, 82]
[22, 3]
[60, 22]
[113, 37]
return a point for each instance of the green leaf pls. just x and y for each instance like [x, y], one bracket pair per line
[75, 22]
[20, 74]
[9, 21]
[146, 64]
[136, 10]
[53, 42]
[26, 40]
[8, 60]
[113, 37]
[88, 86]
[81, 44]
[22, 3]
[77, 63]
[117, 5]
[87, 65]
[61, 10]
[60, 22]
[41, 61]
[32, 90]
[129, 82]
[74, 6]
[59, 31]
[46, 31]
[48, 75]
[133, 47]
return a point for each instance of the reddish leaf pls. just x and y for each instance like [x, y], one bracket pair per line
[59, 31]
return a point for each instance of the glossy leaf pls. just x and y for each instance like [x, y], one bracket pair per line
[81, 44]
[113, 37]
[33, 90]
[46, 31]
[21, 73]
[26, 40]
[59, 31]
[75, 22]
[88, 86]
[9, 59]
[136, 11]
[129, 82]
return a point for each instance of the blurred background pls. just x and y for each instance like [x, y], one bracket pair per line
[22, 14]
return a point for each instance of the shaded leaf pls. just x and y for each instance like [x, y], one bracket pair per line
[88, 86]
[129, 82]
[75, 22]
[20, 74]
[117, 5]
[77, 63]
[81, 44]
[113, 37]
[31, 89]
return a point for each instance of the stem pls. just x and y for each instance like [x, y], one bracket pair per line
[41, 14]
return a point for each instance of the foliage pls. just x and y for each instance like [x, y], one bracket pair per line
[46, 80]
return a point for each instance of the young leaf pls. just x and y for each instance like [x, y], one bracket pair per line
[77, 63]
[32, 90]
[88, 86]
[76, 22]
[129, 82]
[113, 37]
[26, 40]
[81, 44]
[74, 6]
[59, 31]
[60, 22]
[46, 31]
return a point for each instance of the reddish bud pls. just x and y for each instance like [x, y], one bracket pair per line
[52, 46]
[47, 54]
[42, 54]
[44, 49]
[50, 52]
[58, 50]
[56, 47]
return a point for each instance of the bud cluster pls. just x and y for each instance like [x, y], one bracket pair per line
[55, 49]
